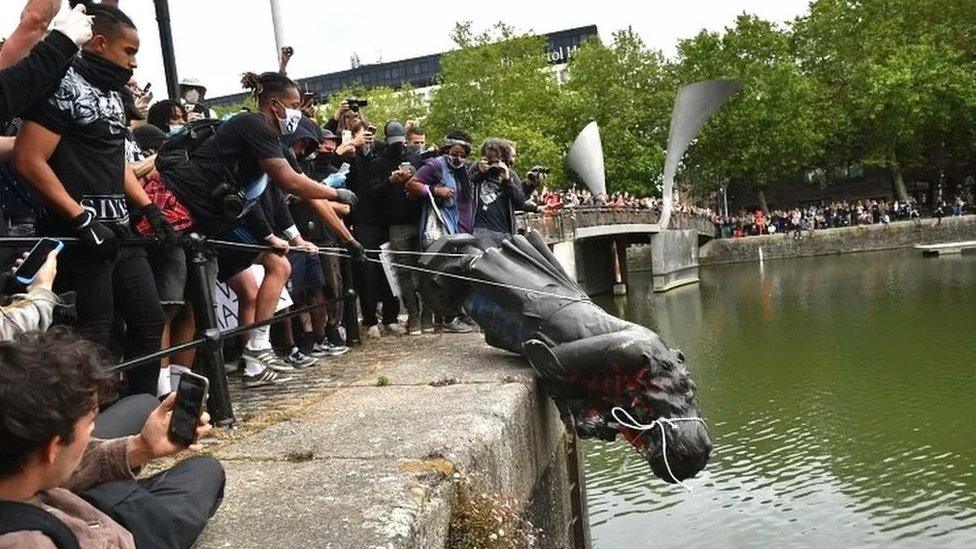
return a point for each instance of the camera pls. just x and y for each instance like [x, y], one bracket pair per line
[231, 200]
[355, 103]
[494, 168]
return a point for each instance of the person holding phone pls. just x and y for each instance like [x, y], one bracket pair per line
[52, 469]
[33, 310]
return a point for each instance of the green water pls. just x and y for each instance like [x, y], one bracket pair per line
[841, 395]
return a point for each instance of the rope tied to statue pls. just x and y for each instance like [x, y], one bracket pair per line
[629, 422]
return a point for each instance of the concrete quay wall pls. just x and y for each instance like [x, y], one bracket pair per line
[902, 234]
[380, 460]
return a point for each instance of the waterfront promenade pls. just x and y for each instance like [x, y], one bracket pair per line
[372, 449]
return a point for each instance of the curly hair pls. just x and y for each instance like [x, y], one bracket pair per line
[48, 381]
[267, 85]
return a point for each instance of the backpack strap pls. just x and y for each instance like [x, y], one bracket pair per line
[19, 517]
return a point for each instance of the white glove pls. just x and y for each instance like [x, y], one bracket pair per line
[75, 25]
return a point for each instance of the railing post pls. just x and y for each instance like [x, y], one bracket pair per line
[211, 354]
[350, 317]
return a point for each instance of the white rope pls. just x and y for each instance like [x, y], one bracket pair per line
[479, 281]
[631, 423]
[410, 252]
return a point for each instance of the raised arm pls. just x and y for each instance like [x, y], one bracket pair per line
[34, 20]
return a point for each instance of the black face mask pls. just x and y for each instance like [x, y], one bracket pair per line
[101, 72]
[393, 150]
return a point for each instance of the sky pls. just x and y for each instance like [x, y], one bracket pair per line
[217, 40]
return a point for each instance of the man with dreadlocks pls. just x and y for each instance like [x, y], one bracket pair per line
[218, 187]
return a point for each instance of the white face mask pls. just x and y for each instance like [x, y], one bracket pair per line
[175, 128]
[289, 124]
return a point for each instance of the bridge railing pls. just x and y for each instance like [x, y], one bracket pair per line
[562, 224]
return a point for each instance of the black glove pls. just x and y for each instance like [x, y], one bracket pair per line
[97, 237]
[356, 251]
[345, 196]
[160, 225]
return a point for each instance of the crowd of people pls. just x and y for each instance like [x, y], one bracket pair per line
[839, 213]
[122, 181]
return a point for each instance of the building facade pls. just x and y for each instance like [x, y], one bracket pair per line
[420, 73]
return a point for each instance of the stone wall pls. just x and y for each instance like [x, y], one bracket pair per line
[865, 238]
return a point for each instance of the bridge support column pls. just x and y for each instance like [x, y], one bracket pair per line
[674, 259]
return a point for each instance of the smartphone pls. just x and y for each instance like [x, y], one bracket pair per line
[147, 88]
[346, 136]
[191, 395]
[27, 272]
[406, 166]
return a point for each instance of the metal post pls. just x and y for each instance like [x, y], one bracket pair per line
[350, 317]
[278, 31]
[166, 43]
[211, 355]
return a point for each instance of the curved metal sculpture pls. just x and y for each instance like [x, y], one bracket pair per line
[696, 103]
[590, 362]
[585, 158]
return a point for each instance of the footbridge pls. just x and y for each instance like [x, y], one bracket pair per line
[591, 244]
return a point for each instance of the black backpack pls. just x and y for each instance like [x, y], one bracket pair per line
[21, 517]
[177, 150]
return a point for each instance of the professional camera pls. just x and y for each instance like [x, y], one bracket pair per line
[537, 171]
[356, 102]
[494, 168]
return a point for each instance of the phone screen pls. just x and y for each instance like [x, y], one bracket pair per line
[190, 397]
[27, 271]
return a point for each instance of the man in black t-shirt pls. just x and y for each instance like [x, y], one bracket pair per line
[240, 161]
[72, 151]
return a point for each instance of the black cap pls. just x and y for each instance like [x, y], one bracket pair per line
[395, 132]
[328, 134]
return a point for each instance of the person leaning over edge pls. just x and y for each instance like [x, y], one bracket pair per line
[50, 387]
[235, 166]
[72, 151]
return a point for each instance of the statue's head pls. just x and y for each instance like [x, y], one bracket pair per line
[658, 388]
[666, 392]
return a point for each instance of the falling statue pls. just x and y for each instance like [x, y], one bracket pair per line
[607, 376]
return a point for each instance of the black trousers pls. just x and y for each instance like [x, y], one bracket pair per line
[169, 509]
[125, 417]
[373, 287]
[124, 285]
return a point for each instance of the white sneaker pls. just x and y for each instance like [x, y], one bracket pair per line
[266, 358]
[373, 332]
[396, 329]
[266, 376]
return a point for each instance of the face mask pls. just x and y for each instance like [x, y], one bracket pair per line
[192, 97]
[289, 124]
[414, 149]
[175, 128]
[455, 161]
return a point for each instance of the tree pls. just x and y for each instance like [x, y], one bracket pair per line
[628, 90]
[770, 131]
[898, 77]
[385, 104]
[498, 84]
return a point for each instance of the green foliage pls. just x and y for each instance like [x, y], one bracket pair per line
[385, 104]
[498, 84]
[772, 129]
[221, 112]
[628, 90]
